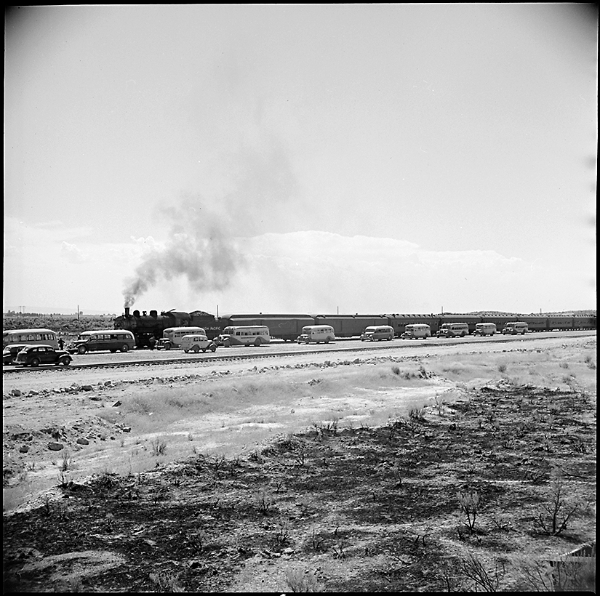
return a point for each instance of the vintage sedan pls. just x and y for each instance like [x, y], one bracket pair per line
[196, 342]
[42, 354]
[10, 351]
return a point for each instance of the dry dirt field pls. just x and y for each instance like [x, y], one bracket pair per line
[445, 468]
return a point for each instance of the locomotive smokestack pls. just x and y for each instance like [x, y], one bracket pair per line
[126, 311]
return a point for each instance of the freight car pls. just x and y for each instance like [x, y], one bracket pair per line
[148, 328]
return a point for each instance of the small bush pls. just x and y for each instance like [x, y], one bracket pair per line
[557, 511]
[66, 462]
[502, 368]
[415, 413]
[302, 581]
[159, 447]
[166, 582]
[468, 502]
[482, 579]
[264, 502]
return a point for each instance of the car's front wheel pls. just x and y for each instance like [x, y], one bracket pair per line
[64, 361]
[35, 362]
[81, 350]
[195, 349]
[213, 348]
[124, 348]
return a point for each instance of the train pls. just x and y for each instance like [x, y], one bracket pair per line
[148, 326]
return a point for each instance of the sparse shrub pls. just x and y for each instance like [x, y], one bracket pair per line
[281, 536]
[396, 370]
[218, 462]
[65, 464]
[416, 414]
[63, 479]
[166, 582]
[564, 365]
[338, 550]
[256, 456]
[46, 509]
[502, 368]
[474, 570]
[301, 454]
[468, 502]
[302, 581]
[557, 511]
[439, 403]
[264, 502]
[571, 382]
[316, 542]
[159, 447]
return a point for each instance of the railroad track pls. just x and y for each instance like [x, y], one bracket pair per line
[188, 360]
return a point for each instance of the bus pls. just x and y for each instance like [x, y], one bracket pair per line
[316, 333]
[30, 337]
[453, 330]
[172, 336]
[244, 335]
[112, 340]
[416, 331]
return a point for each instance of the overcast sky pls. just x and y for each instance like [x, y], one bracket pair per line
[309, 159]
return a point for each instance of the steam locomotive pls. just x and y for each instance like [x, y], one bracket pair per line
[149, 327]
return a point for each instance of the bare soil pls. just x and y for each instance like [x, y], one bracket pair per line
[340, 473]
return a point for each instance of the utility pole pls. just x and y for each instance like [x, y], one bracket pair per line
[78, 313]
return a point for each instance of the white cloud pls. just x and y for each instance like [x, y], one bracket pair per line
[73, 253]
[312, 272]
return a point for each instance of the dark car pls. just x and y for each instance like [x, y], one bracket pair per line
[10, 351]
[164, 344]
[42, 354]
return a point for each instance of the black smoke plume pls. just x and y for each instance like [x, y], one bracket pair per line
[199, 248]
